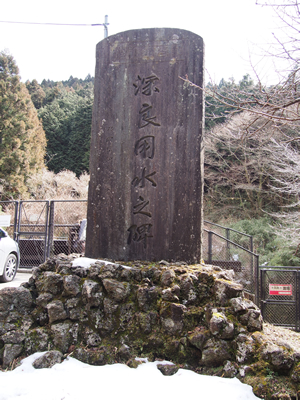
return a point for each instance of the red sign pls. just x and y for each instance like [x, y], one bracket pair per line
[280, 290]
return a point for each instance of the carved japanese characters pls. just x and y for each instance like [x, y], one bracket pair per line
[146, 164]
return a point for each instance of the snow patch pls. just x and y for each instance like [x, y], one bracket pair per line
[84, 262]
[75, 380]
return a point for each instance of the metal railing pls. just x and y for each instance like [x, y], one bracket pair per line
[241, 238]
[225, 253]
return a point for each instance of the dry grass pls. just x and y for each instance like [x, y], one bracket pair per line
[63, 186]
[46, 185]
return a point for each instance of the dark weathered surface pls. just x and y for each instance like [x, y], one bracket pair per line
[145, 194]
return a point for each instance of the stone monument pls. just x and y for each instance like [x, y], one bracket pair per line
[146, 162]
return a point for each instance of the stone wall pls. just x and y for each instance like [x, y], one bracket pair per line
[195, 316]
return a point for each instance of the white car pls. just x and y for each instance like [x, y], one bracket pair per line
[9, 257]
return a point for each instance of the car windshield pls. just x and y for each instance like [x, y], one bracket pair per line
[2, 233]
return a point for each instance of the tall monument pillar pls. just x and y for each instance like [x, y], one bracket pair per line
[146, 162]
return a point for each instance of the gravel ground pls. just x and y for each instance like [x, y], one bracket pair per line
[282, 335]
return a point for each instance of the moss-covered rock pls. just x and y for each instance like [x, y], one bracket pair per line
[192, 315]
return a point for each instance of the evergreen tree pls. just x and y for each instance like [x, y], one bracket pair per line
[220, 100]
[79, 145]
[67, 122]
[36, 92]
[22, 138]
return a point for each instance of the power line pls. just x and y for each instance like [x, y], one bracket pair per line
[55, 23]
[47, 23]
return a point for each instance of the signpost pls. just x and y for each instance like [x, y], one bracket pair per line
[280, 290]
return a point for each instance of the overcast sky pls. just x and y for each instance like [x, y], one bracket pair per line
[233, 30]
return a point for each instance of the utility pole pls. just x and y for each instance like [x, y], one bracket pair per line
[105, 26]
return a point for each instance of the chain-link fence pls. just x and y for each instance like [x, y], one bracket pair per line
[45, 228]
[279, 296]
[32, 230]
[65, 221]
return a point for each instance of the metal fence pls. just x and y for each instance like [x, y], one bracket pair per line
[219, 250]
[240, 238]
[279, 296]
[275, 289]
[32, 231]
[64, 226]
[45, 228]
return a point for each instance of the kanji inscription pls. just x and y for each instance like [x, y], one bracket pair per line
[145, 146]
[146, 85]
[146, 162]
